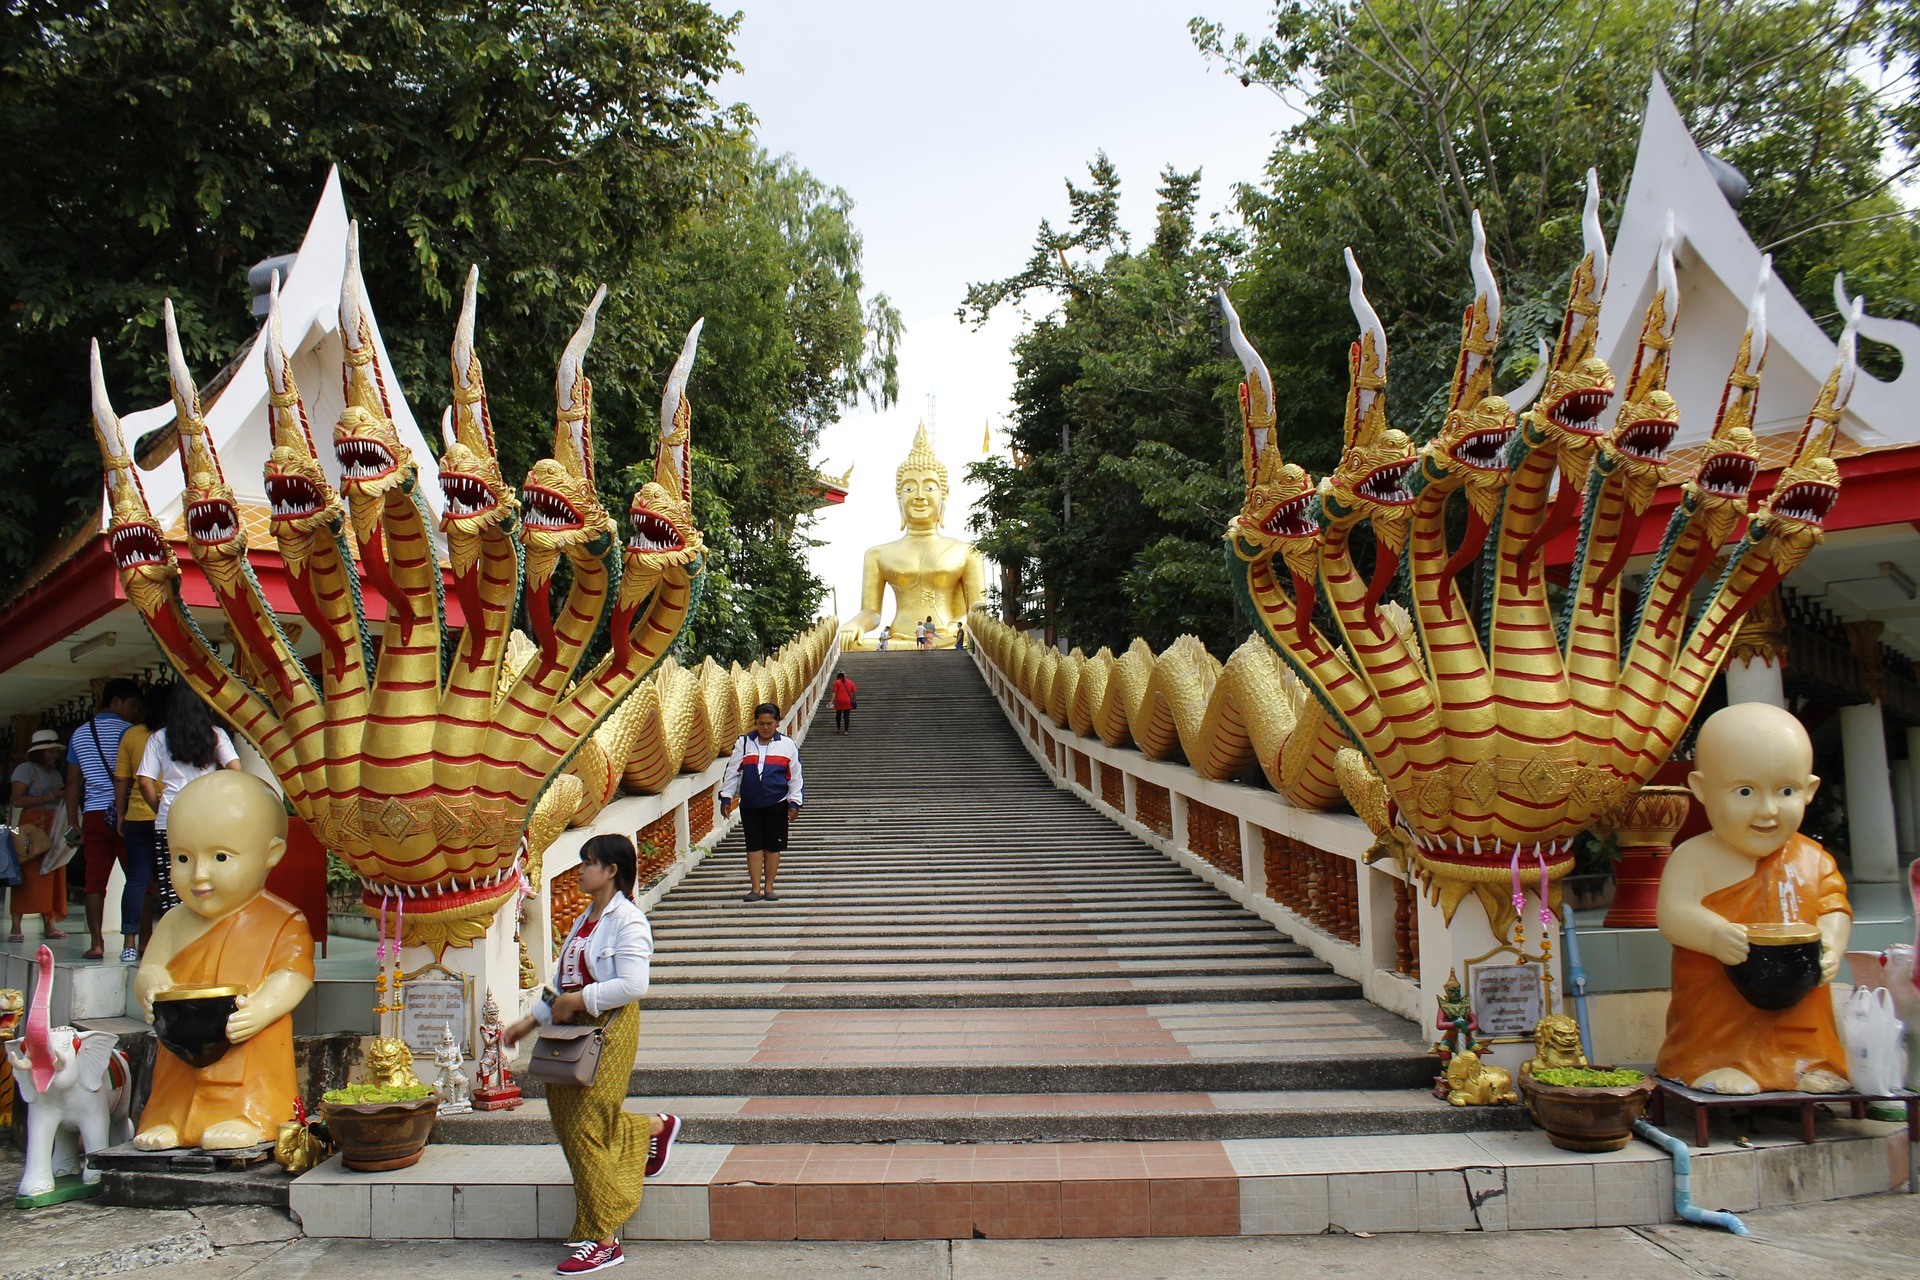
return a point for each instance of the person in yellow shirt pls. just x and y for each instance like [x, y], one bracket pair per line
[136, 827]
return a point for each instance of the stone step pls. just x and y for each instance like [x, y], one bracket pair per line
[1435, 1182]
[996, 993]
[1043, 1117]
[680, 950]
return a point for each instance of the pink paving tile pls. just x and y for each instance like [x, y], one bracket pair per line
[751, 1213]
[1194, 1206]
[1016, 1210]
[840, 1212]
[1111, 1208]
[929, 1211]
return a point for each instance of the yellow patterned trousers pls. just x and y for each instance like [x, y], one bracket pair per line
[605, 1145]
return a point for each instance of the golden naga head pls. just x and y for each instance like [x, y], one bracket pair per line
[1470, 449]
[1374, 478]
[1793, 517]
[662, 535]
[560, 511]
[476, 497]
[301, 499]
[212, 512]
[1648, 418]
[138, 545]
[373, 460]
[1579, 386]
[1281, 515]
[1720, 487]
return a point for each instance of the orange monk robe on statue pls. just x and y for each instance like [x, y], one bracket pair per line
[254, 1081]
[1710, 1025]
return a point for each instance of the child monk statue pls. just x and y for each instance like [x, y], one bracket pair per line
[226, 831]
[1754, 778]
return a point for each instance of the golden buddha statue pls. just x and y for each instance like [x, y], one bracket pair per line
[932, 575]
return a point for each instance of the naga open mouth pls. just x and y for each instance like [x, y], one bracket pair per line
[1290, 519]
[1387, 485]
[466, 496]
[292, 497]
[1577, 410]
[1647, 441]
[211, 521]
[134, 545]
[1485, 450]
[653, 534]
[1809, 501]
[549, 511]
[363, 459]
[1728, 475]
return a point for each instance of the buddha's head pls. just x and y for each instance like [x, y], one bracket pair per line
[921, 485]
[225, 832]
[1754, 776]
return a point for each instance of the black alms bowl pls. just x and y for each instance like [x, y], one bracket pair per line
[192, 1022]
[1782, 965]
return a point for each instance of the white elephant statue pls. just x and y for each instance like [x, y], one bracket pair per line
[1895, 970]
[76, 1085]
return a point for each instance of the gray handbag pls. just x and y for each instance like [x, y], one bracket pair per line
[567, 1055]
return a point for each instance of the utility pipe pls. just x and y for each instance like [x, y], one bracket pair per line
[1682, 1178]
[1577, 982]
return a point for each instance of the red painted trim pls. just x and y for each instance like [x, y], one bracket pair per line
[87, 588]
[1876, 489]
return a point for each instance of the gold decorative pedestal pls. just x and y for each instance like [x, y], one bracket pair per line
[1645, 833]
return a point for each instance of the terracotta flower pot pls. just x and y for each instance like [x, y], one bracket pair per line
[377, 1136]
[1645, 835]
[1584, 1117]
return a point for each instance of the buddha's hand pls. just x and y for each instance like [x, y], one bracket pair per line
[245, 1022]
[148, 982]
[1829, 960]
[1727, 942]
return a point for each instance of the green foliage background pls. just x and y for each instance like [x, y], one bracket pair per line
[160, 147]
[1412, 113]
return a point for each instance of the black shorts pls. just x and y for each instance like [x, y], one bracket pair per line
[765, 830]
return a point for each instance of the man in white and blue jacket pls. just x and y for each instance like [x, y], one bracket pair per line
[763, 776]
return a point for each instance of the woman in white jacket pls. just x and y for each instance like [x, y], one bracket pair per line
[602, 972]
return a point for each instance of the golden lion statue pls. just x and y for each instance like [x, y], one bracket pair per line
[1556, 1043]
[390, 1063]
[1473, 1083]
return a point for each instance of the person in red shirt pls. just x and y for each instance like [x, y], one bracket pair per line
[845, 699]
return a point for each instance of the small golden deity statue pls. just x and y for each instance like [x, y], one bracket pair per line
[229, 939]
[1758, 917]
[932, 575]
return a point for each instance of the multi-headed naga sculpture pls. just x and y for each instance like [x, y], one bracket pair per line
[420, 759]
[1511, 729]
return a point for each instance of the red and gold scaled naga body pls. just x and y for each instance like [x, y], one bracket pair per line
[1480, 736]
[420, 759]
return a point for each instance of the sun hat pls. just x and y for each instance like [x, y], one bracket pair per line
[43, 738]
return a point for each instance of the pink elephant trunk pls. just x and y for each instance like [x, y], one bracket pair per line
[39, 1031]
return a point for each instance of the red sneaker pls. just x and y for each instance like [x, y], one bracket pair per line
[591, 1257]
[660, 1146]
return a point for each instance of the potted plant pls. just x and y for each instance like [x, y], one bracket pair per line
[1586, 1108]
[379, 1127]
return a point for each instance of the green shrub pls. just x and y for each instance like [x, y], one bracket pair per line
[1589, 1077]
[362, 1094]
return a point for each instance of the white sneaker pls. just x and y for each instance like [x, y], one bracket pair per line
[130, 956]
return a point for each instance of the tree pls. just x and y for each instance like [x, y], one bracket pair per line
[159, 148]
[1419, 111]
[1126, 416]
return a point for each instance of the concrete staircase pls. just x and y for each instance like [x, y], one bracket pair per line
[978, 1009]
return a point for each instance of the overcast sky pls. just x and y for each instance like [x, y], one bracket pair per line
[953, 126]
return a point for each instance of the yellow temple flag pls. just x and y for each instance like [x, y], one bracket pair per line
[986, 439]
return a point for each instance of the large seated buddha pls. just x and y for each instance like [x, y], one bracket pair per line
[930, 574]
